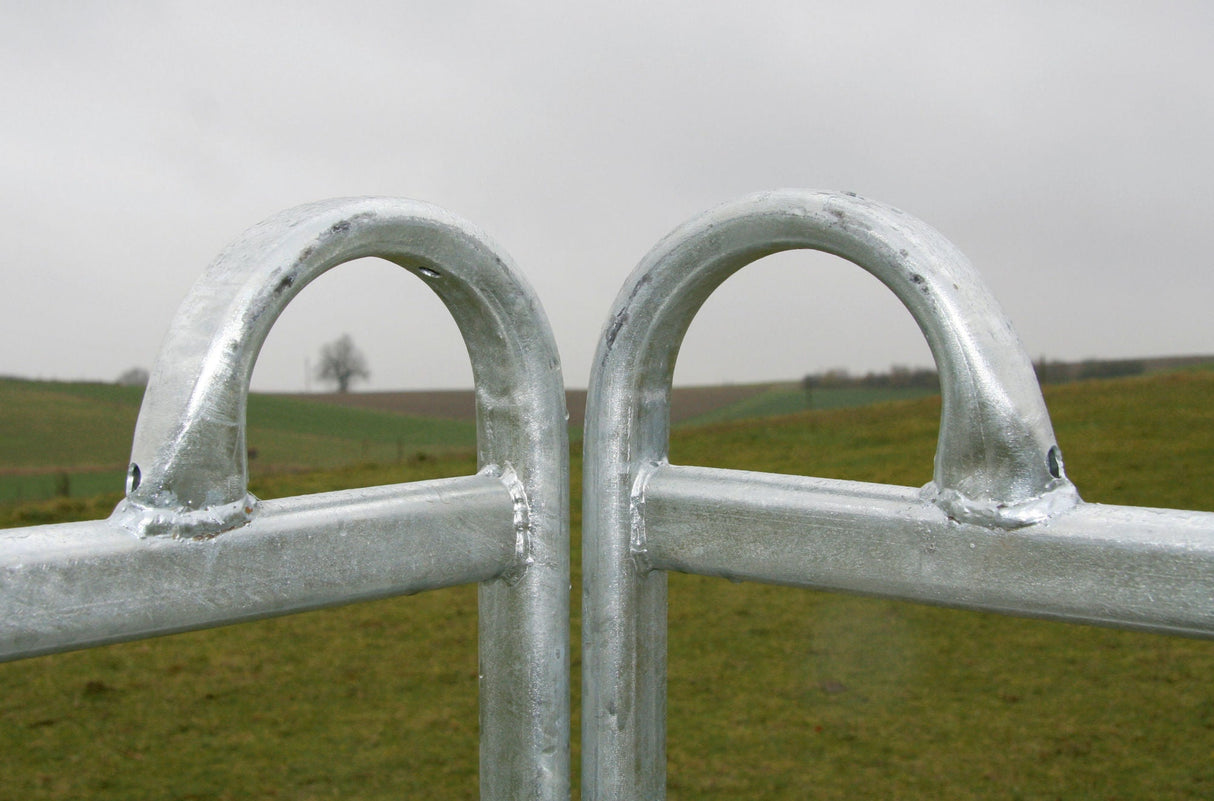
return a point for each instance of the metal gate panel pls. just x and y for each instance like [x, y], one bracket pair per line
[1000, 527]
[190, 547]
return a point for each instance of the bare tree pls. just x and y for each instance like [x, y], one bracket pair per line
[342, 363]
[135, 377]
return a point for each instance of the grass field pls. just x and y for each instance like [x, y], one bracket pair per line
[773, 693]
[782, 399]
[76, 437]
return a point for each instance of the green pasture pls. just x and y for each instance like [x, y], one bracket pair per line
[774, 693]
[74, 439]
[782, 399]
[59, 425]
[293, 433]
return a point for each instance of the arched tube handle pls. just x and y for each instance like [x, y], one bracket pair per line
[997, 462]
[189, 471]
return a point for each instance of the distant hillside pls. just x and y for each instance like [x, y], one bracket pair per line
[1165, 364]
[60, 438]
[687, 403]
[1058, 372]
[74, 438]
[697, 405]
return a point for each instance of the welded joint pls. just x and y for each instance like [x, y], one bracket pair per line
[167, 518]
[1059, 495]
[523, 545]
[637, 544]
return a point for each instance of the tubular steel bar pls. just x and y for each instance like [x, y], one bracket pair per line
[1000, 526]
[77, 585]
[190, 547]
[1112, 565]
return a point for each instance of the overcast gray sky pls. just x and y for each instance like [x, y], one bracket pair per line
[1067, 148]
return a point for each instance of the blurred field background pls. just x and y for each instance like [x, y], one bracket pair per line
[73, 440]
[774, 693]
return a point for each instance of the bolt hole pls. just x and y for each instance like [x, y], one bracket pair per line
[133, 477]
[426, 271]
[1054, 461]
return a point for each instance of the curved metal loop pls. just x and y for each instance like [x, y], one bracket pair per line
[189, 472]
[997, 462]
[189, 462]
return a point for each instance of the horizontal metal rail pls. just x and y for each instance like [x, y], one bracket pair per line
[76, 585]
[1125, 566]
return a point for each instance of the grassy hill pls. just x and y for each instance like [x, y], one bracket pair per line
[789, 398]
[77, 436]
[687, 403]
[774, 693]
[74, 439]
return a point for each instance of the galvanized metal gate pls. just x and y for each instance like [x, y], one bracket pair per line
[1000, 527]
[190, 547]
